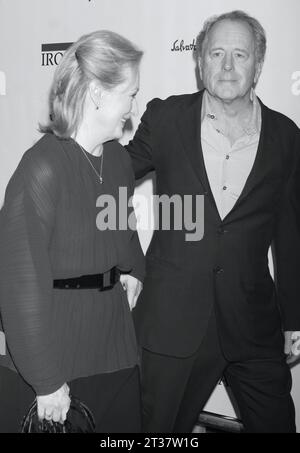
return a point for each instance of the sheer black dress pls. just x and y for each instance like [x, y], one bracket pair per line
[48, 231]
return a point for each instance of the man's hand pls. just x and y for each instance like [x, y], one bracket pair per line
[133, 287]
[292, 346]
[54, 406]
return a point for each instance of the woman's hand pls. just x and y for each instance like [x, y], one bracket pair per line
[133, 287]
[54, 406]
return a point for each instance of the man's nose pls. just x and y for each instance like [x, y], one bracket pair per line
[228, 62]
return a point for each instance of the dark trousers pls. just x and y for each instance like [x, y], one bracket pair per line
[175, 390]
[113, 398]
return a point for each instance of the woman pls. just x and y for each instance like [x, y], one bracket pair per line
[65, 314]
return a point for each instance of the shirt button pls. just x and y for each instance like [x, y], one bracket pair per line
[224, 188]
[227, 157]
[218, 270]
[212, 117]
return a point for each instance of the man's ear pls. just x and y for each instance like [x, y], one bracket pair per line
[258, 72]
[200, 67]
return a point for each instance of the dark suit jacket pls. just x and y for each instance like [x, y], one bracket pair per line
[228, 269]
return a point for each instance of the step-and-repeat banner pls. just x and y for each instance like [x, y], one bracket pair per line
[35, 33]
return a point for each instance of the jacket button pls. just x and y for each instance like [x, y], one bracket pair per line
[222, 231]
[218, 270]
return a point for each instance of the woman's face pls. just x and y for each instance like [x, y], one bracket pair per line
[116, 105]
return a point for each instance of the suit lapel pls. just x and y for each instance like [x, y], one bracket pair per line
[189, 129]
[263, 162]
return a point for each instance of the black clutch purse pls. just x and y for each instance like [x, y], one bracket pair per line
[79, 420]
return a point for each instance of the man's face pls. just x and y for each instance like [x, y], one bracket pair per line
[228, 66]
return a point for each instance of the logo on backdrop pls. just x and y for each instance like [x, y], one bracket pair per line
[180, 45]
[296, 83]
[2, 84]
[53, 52]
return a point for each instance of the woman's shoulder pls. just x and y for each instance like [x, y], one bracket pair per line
[41, 160]
[47, 148]
[46, 151]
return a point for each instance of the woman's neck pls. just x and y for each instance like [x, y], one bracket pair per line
[89, 141]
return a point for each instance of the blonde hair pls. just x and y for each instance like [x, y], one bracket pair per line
[101, 55]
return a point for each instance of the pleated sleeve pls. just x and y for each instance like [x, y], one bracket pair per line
[26, 225]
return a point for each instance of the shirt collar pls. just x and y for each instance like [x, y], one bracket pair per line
[212, 112]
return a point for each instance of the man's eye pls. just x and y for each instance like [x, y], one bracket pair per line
[217, 54]
[240, 56]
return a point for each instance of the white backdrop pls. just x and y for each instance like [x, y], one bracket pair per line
[157, 27]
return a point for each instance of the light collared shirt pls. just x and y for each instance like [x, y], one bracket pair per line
[228, 166]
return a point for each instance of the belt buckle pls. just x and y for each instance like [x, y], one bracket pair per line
[113, 274]
[105, 279]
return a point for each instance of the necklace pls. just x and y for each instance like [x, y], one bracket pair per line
[99, 175]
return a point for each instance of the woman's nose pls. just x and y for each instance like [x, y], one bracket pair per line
[134, 107]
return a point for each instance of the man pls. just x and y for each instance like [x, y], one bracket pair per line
[210, 307]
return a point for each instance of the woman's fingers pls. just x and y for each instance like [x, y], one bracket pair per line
[133, 288]
[56, 415]
[64, 414]
[54, 406]
[41, 412]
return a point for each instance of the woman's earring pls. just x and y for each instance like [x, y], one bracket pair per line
[93, 100]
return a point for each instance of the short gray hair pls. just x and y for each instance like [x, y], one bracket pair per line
[257, 30]
[101, 55]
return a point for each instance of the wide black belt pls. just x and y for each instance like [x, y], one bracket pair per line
[102, 282]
